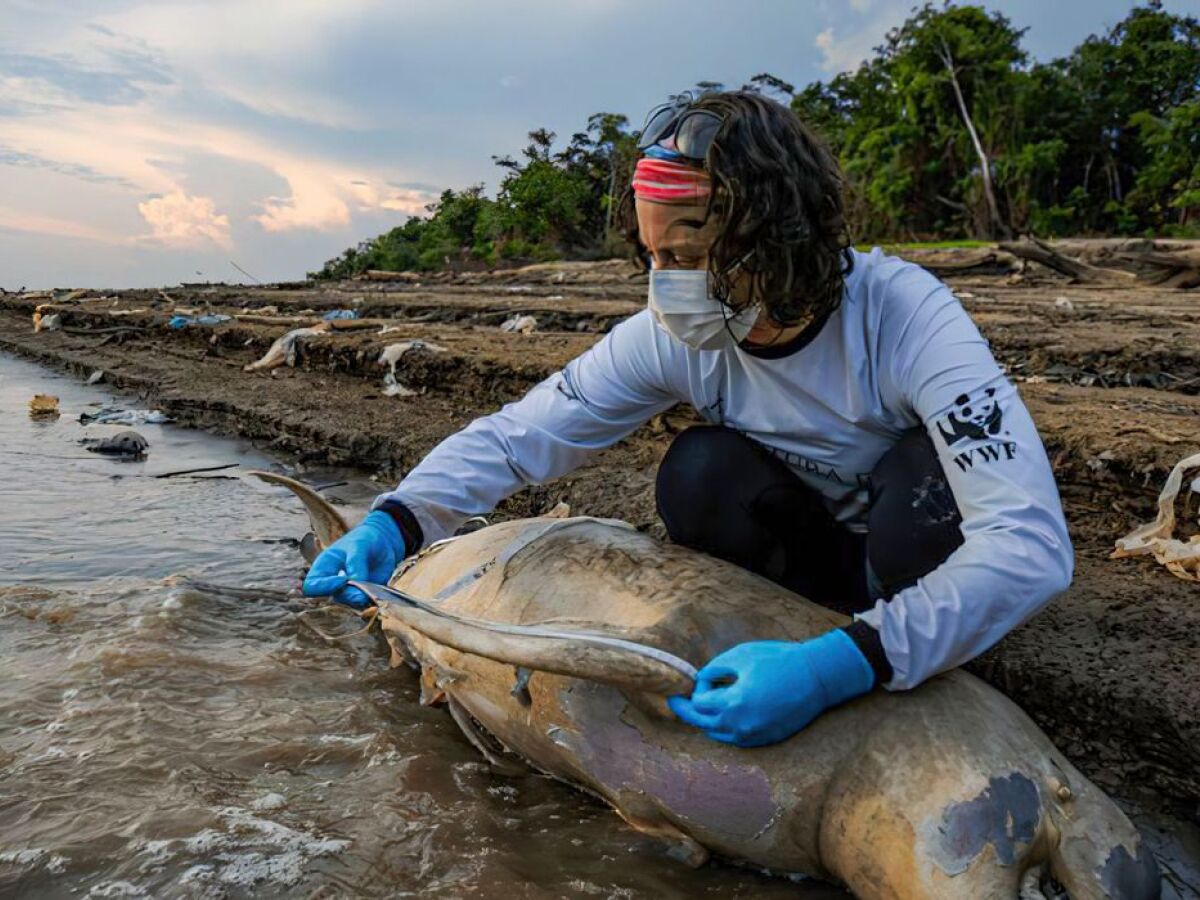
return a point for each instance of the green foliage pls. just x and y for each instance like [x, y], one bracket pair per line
[1102, 140]
[1106, 139]
[548, 205]
[1170, 178]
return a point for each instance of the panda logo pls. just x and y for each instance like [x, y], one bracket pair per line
[975, 420]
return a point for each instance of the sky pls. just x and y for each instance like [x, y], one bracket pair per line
[148, 143]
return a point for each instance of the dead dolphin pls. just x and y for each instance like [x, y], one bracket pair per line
[127, 445]
[945, 791]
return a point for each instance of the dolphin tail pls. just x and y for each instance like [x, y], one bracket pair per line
[327, 523]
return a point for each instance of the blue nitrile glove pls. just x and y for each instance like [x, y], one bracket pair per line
[761, 692]
[368, 552]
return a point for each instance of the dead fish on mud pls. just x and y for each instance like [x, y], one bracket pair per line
[283, 351]
[125, 445]
[555, 641]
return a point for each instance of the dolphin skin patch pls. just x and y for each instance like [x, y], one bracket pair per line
[1005, 816]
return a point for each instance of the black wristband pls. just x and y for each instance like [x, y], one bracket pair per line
[870, 645]
[410, 528]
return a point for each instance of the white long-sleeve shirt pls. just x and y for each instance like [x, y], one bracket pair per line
[898, 352]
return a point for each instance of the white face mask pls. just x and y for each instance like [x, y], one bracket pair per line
[680, 302]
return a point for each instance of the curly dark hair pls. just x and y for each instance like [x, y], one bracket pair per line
[777, 195]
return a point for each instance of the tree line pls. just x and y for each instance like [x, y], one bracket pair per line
[947, 131]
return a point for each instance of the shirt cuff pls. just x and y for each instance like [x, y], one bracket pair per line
[870, 644]
[410, 528]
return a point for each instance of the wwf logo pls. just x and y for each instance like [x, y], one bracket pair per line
[974, 419]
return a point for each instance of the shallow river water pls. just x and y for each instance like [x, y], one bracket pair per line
[158, 741]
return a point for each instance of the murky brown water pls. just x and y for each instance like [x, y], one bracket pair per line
[157, 741]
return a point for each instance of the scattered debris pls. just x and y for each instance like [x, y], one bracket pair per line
[393, 388]
[391, 355]
[519, 289]
[335, 314]
[265, 319]
[379, 275]
[1157, 538]
[96, 377]
[207, 319]
[961, 260]
[43, 321]
[1064, 303]
[1160, 436]
[344, 324]
[194, 471]
[244, 272]
[562, 510]
[284, 350]
[43, 406]
[127, 445]
[1100, 461]
[520, 325]
[113, 415]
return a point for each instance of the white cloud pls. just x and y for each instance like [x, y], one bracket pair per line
[409, 200]
[824, 41]
[178, 220]
[321, 195]
[845, 52]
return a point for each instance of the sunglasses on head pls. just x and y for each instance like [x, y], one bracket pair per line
[693, 130]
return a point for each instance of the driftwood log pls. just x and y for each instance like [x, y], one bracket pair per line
[1161, 267]
[1040, 252]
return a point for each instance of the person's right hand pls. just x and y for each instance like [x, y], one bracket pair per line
[368, 552]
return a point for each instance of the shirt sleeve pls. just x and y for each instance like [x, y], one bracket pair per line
[597, 399]
[1016, 553]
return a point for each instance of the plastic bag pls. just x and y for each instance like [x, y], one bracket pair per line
[1182, 558]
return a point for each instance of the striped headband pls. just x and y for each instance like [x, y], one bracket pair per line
[665, 181]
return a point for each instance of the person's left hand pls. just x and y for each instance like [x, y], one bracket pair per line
[762, 692]
[368, 552]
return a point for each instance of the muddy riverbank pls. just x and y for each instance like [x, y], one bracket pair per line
[1112, 378]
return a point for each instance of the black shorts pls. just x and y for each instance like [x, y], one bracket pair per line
[722, 493]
